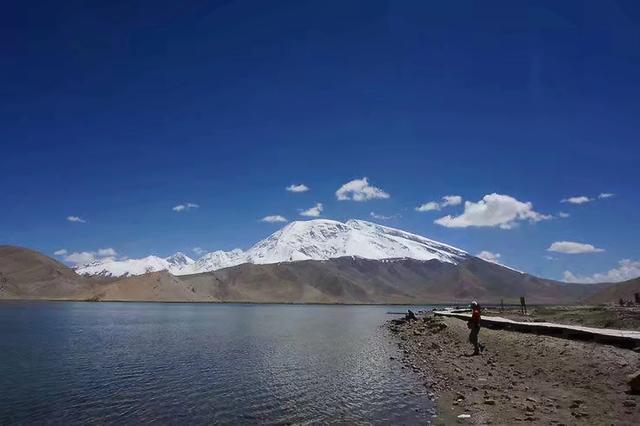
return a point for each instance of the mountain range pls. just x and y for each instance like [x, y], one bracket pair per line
[316, 261]
[318, 239]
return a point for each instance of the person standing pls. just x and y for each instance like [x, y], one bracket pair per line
[474, 326]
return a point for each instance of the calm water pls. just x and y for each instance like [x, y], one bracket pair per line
[66, 362]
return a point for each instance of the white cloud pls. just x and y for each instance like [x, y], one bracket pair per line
[427, 207]
[81, 258]
[359, 190]
[84, 257]
[581, 199]
[273, 219]
[447, 200]
[185, 206]
[499, 210]
[571, 247]
[489, 256]
[451, 200]
[563, 215]
[606, 195]
[627, 269]
[199, 251]
[297, 188]
[104, 252]
[60, 252]
[313, 211]
[76, 219]
[549, 257]
[382, 217]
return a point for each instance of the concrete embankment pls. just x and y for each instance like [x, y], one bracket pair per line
[623, 338]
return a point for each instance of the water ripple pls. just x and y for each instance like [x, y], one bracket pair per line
[78, 363]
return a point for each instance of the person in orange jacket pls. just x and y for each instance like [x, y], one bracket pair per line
[474, 326]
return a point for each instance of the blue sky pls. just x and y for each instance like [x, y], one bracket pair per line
[116, 112]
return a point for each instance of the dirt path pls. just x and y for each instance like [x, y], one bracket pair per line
[520, 378]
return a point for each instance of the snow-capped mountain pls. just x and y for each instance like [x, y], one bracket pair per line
[216, 260]
[177, 264]
[319, 239]
[110, 267]
[179, 260]
[327, 239]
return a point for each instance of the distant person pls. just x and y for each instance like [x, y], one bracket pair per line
[474, 326]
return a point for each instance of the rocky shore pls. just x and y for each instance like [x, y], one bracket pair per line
[520, 378]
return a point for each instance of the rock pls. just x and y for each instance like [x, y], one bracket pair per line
[532, 400]
[576, 403]
[410, 316]
[629, 403]
[634, 382]
[490, 401]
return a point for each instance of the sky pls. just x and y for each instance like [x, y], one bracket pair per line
[114, 114]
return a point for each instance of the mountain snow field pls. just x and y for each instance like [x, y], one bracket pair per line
[318, 239]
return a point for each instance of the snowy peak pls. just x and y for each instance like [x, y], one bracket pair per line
[302, 240]
[110, 267]
[217, 260]
[326, 239]
[179, 259]
[318, 239]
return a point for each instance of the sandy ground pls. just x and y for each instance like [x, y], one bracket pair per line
[520, 378]
[607, 316]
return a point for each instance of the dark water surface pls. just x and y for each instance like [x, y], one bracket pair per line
[74, 362]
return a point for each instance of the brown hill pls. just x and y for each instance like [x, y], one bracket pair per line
[355, 280]
[154, 286]
[613, 293]
[27, 274]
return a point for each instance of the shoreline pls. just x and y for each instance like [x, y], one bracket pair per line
[520, 378]
[215, 302]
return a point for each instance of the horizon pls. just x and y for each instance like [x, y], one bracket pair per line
[509, 132]
[106, 256]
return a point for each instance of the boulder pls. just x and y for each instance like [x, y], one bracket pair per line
[634, 382]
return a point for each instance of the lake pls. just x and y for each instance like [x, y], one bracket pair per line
[172, 363]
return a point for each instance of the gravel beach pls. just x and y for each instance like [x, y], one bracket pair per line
[520, 378]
